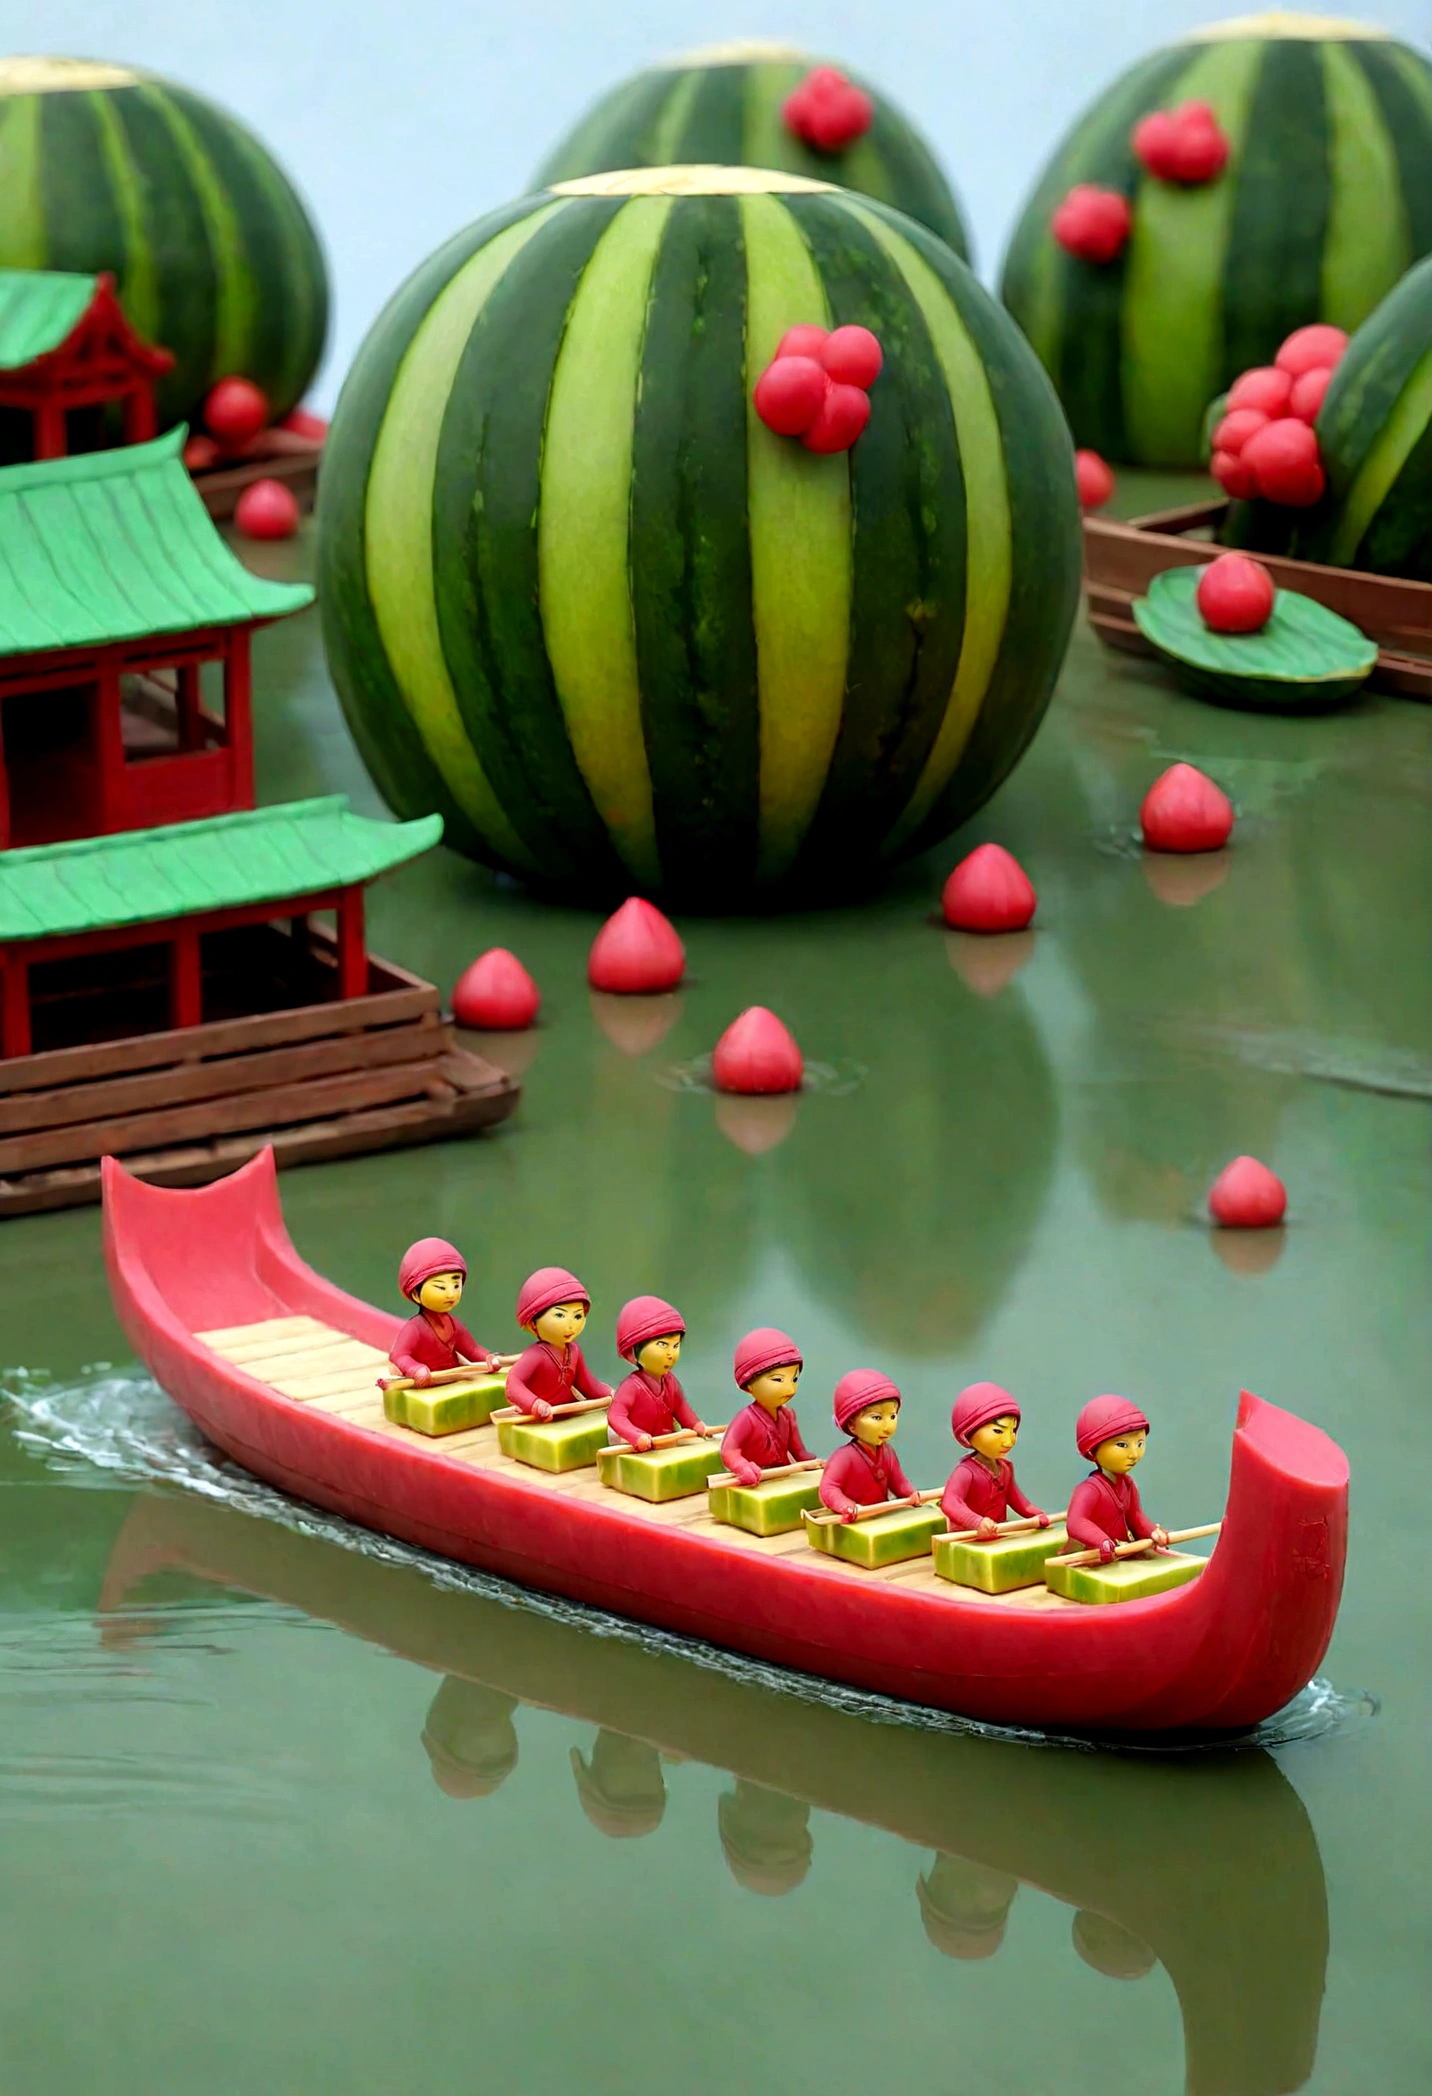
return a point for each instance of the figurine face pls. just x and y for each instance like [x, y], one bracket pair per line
[1119, 1456]
[874, 1426]
[659, 1356]
[776, 1387]
[560, 1325]
[996, 1439]
[441, 1292]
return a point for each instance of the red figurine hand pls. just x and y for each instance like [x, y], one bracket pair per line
[541, 1410]
[1106, 1551]
[702, 1428]
[643, 1442]
[913, 1500]
[987, 1528]
[748, 1475]
[421, 1376]
[494, 1362]
[850, 1513]
[1041, 1517]
[1160, 1538]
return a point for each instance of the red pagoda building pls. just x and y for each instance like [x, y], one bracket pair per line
[183, 977]
[65, 344]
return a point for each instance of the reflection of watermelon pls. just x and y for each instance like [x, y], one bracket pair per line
[723, 106]
[577, 596]
[214, 255]
[1326, 200]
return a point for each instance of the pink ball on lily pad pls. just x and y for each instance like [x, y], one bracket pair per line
[1247, 1196]
[757, 1053]
[1235, 595]
[989, 892]
[636, 952]
[1184, 811]
[496, 994]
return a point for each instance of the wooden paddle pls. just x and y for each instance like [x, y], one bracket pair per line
[685, 1433]
[1005, 1528]
[1175, 1535]
[580, 1404]
[728, 1477]
[447, 1375]
[868, 1513]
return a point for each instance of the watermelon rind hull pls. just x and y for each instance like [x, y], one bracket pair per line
[1306, 659]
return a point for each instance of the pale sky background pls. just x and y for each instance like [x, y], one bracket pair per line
[402, 120]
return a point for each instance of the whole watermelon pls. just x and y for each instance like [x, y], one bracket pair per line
[1325, 201]
[1375, 435]
[722, 106]
[102, 167]
[577, 596]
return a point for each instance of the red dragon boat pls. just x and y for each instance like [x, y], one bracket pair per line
[277, 1368]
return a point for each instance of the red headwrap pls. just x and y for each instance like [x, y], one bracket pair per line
[977, 1406]
[861, 1387]
[762, 1350]
[645, 1317]
[429, 1256]
[1104, 1417]
[545, 1289]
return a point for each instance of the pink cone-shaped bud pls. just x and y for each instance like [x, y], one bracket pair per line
[1247, 1196]
[1185, 812]
[989, 892]
[1095, 478]
[757, 1053]
[636, 952]
[266, 509]
[496, 994]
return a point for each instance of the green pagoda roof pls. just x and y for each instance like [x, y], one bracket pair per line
[227, 863]
[40, 309]
[117, 545]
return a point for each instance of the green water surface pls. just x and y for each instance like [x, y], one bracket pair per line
[279, 1816]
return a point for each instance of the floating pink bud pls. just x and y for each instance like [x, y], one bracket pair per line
[989, 892]
[636, 952]
[496, 994]
[1247, 1196]
[1184, 811]
[757, 1053]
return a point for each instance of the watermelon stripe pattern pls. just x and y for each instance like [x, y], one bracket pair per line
[575, 591]
[1326, 201]
[212, 251]
[724, 110]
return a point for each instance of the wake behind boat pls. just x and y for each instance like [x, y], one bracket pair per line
[277, 1367]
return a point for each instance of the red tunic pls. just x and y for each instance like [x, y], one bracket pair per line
[648, 1404]
[1106, 1509]
[856, 1476]
[433, 1340]
[550, 1375]
[755, 1442]
[975, 1494]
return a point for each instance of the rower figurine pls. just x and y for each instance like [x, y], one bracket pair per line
[981, 1489]
[1105, 1510]
[865, 1472]
[650, 1401]
[764, 1435]
[553, 1306]
[431, 1275]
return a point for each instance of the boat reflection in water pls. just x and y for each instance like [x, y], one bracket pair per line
[1211, 1868]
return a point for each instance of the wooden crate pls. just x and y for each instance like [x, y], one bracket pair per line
[1121, 560]
[325, 1079]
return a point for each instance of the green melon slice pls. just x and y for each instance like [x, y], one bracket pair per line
[663, 1473]
[1305, 660]
[771, 1508]
[1126, 1579]
[554, 1444]
[446, 1408]
[999, 1567]
[887, 1539]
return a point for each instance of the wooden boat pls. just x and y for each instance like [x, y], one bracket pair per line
[277, 1367]
[1249, 1970]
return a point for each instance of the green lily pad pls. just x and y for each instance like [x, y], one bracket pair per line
[1305, 660]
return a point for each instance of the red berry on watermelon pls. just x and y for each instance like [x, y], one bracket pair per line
[1184, 145]
[790, 394]
[1233, 476]
[235, 410]
[1283, 459]
[1311, 349]
[1236, 428]
[1235, 595]
[267, 510]
[1095, 478]
[1264, 387]
[1309, 392]
[853, 357]
[843, 415]
[1093, 223]
[828, 111]
[805, 340]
